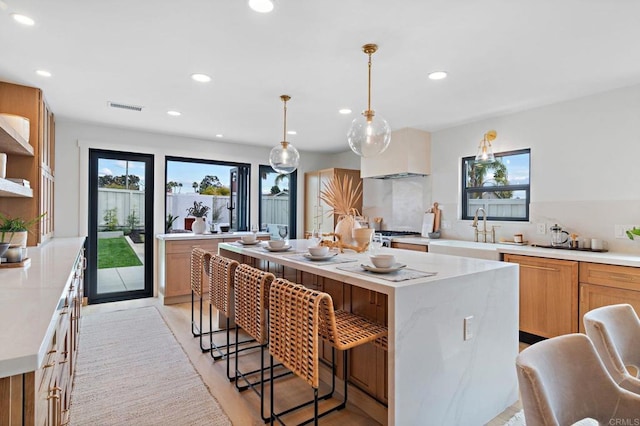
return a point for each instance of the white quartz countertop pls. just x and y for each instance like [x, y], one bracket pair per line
[611, 258]
[29, 298]
[178, 236]
[444, 266]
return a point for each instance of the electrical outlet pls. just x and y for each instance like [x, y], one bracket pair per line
[620, 231]
[468, 323]
[541, 228]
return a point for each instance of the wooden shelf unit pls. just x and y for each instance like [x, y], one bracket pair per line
[32, 161]
[11, 142]
[12, 189]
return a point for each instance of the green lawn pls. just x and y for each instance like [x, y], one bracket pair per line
[115, 253]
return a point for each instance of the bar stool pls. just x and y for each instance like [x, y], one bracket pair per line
[199, 268]
[298, 318]
[221, 277]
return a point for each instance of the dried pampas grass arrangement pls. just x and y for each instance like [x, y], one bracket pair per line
[341, 195]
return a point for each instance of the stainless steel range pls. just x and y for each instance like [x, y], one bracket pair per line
[386, 236]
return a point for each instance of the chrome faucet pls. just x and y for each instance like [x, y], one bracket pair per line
[484, 230]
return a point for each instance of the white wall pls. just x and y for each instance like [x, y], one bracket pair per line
[74, 139]
[585, 166]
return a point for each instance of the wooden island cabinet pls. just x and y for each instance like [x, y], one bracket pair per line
[414, 374]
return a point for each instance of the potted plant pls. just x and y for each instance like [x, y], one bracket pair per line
[199, 211]
[13, 230]
[170, 219]
[343, 197]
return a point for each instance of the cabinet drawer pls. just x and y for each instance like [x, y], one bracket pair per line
[625, 277]
[409, 246]
[596, 296]
[187, 246]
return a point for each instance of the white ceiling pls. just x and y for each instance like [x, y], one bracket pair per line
[501, 56]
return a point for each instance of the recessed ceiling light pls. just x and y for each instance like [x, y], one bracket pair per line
[437, 75]
[43, 73]
[219, 135]
[24, 20]
[345, 111]
[262, 6]
[292, 132]
[174, 113]
[202, 78]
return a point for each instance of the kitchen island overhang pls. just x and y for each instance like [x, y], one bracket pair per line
[435, 376]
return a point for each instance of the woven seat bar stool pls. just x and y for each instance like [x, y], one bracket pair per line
[199, 274]
[251, 294]
[299, 317]
[221, 277]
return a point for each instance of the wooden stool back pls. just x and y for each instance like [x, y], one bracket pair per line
[251, 287]
[199, 265]
[222, 271]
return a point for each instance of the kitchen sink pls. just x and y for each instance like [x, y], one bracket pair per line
[473, 249]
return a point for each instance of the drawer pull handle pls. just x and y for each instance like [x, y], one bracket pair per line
[541, 268]
[621, 277]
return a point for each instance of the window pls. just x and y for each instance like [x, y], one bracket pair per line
[277, 202]
[221, 186]
[500, 187]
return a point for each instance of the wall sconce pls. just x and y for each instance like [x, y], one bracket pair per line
[485, 151]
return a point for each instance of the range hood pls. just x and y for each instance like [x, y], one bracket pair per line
[408, 155]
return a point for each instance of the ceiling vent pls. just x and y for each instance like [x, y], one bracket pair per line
[125, 106]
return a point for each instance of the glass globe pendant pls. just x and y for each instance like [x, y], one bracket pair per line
[369, 134]
[284, 157]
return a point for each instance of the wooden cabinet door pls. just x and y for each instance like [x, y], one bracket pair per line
[311, 197]
[596, 296]
[548, 295]
[368, 364]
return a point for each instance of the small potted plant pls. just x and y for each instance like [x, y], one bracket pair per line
[170, 219]
[13, 230]
[199, 211]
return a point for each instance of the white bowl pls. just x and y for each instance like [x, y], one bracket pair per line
[248, 238]
[319, 251]
[276, 243]
[383, 260]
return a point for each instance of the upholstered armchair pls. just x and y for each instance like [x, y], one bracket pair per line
[615, 333]
[562, 381]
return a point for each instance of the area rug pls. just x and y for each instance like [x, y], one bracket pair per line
[132, 371]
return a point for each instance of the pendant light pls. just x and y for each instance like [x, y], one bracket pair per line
[284, 158]
[485, 151]
[369, 134]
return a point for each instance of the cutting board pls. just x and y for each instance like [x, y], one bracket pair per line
[427, 224]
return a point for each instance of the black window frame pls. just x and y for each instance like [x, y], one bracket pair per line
[293, 197]
[467, 190]
[243, 223]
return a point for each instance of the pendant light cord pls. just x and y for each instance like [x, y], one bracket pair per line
[284, 130]
[369, 88]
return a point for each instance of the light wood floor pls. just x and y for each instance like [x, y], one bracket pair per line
[243, 408]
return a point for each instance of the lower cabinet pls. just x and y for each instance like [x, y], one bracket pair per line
[175, 265]
[548, 295]
[602, 285]
[43, 397]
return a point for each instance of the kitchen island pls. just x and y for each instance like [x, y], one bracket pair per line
[434, 376]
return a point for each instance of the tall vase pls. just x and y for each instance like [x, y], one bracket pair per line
[345, 227]
[199, 225]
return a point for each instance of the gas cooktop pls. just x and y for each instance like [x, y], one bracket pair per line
[397, 233]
